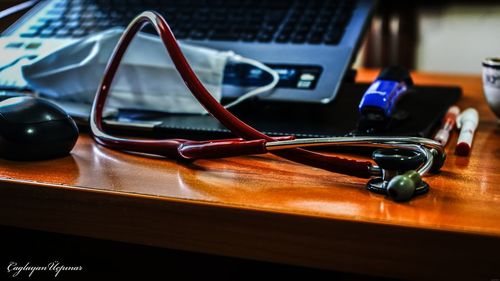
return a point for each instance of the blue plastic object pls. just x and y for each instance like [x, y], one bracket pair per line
[381, 97]
[380, 100]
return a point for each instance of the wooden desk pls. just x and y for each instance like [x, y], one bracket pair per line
[269, 209]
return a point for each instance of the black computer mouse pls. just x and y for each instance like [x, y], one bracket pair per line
[35, 129]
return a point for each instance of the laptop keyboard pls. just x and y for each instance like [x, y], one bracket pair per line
[280, 21]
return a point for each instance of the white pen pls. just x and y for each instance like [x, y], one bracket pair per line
[467, 122]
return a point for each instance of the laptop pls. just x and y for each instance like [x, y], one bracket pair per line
[310, 43]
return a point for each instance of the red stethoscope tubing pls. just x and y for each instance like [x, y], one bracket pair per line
[253, 143]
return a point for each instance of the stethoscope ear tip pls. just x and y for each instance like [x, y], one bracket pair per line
[402, 188]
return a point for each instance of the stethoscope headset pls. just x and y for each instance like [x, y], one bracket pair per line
[401, 161]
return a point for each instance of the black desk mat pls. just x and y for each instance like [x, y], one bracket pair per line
[426, 106]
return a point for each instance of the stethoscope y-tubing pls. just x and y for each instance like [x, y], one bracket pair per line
[170, 148]
[252, 142]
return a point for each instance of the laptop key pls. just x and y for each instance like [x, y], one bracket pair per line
[198, 34]
[315, 37]
[283, 38]
[79, 33]
[63, 33]
[30, 34]
[56, 24]
[223, 35]
[47, 33]
[265, 37]
[37, 27]
[248, 37]
[333, 37]
[88, 24]
[181, 33]
[299, 38]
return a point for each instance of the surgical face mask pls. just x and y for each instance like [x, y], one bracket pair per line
[147, 78]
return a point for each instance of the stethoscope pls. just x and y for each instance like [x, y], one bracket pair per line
[401, 161]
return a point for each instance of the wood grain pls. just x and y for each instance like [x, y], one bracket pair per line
[266, 208]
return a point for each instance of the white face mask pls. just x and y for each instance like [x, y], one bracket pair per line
[146, 78]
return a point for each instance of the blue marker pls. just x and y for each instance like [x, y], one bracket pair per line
[381, 98]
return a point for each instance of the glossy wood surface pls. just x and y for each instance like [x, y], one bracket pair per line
[263, 207]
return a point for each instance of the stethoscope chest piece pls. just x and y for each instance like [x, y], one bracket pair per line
[404, 192]
[399, 180]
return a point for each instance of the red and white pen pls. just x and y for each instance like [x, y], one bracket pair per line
[467, 123]
[447, 125]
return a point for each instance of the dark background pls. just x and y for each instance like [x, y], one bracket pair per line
[112, 260]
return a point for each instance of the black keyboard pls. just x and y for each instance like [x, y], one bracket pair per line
[280, 21]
